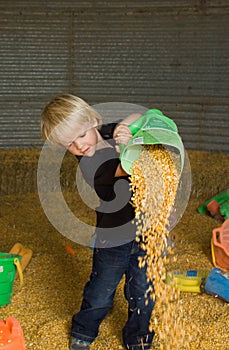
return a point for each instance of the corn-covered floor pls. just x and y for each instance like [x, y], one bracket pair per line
[54, 278]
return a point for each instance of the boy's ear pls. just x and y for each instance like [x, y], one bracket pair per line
[95, 123]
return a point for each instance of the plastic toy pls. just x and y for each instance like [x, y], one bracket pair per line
[25, 253]
[217, 206]
[8, 265]
[152, 128]
[70, 250]
[187, 281]
[217, 284]
[220, 246]
[11, 335]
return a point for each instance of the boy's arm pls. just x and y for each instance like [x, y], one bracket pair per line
[130, 118]
[122, 135]
[121, 132]
[120, 172]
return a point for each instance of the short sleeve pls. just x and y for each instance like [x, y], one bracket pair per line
[99, 171]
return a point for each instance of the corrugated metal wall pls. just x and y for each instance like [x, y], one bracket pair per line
[172, 55]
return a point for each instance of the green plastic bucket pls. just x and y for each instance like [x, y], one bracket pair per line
[152, 128]
[8, 266]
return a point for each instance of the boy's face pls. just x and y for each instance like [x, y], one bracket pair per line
[84, 141]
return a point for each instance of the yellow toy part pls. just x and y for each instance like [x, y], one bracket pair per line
[187, 281]
[213, 254]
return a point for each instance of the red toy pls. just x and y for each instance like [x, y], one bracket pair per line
[11, 335]
[220, 246]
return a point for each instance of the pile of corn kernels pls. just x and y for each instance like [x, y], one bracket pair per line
[54, 278]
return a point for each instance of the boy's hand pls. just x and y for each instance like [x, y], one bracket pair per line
[121, 135]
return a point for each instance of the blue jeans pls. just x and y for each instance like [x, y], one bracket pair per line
[109, 265]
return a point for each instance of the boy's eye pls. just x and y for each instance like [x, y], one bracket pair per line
[80, 136]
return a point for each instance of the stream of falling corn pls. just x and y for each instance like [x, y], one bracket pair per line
[154, 182]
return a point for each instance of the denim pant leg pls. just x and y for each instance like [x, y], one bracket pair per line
[136, 334]
[109, 265]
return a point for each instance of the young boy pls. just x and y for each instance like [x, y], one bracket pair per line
[70, 122]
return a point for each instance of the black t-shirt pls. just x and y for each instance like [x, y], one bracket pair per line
[115, 213]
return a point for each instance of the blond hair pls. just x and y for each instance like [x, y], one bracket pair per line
[64, 113]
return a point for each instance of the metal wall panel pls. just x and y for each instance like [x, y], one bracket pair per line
[171, 55]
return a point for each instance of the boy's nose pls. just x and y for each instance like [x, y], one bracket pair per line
[77, 144]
